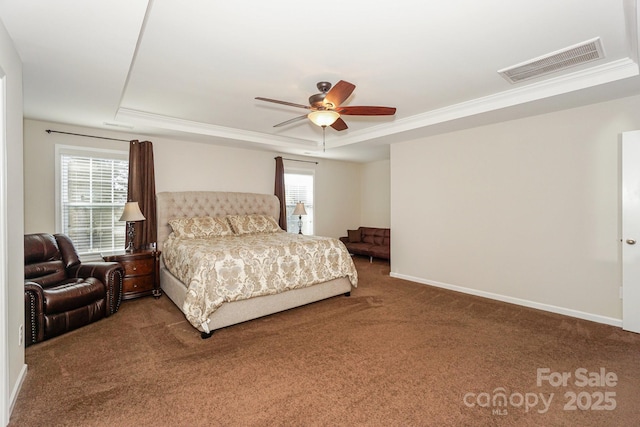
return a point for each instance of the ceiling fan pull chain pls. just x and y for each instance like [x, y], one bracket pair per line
[324, 128]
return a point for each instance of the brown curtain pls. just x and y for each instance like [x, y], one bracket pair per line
[142, 189]
[279, 192]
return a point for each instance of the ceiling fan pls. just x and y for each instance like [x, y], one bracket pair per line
[326, 106]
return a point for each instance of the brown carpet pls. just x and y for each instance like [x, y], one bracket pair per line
[394, 353]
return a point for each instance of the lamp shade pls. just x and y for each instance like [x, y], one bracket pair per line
[299, 210]
[132, 212]
[323, 117]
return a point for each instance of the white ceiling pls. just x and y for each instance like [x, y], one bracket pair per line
[190, 70]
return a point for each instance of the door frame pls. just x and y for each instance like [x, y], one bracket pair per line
[5, 410]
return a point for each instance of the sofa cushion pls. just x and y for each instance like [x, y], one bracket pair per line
[377, 236]
[360, 247]
[39, 248]
[47, 273]
[354, 236]
[379, 251]
[72, 294]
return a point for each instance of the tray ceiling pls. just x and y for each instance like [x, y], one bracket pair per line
[191, 70]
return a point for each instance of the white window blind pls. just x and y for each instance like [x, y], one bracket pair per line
[93, 191]
[299, 188]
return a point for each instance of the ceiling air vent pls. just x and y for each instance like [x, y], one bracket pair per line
[581, 53]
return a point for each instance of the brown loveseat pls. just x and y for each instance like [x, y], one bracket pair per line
[60, 292]
[369, 241]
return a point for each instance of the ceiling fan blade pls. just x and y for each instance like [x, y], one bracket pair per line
[295, 119]
[291, 104]
[339, 124]
[366, 111]
[339, 93]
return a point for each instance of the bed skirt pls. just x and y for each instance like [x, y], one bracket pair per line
[234, 312]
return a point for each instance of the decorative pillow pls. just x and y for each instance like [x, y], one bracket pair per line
[354, 236]
[246, 224]
[200, 227]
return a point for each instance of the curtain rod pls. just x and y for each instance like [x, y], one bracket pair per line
[296, 160]
[87, 136]
[49, 131]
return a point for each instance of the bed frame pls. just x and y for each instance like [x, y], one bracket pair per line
[187, 204]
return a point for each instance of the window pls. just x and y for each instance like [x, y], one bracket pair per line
[299, 188]
[91, 192]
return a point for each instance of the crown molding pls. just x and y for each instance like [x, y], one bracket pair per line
[593, 76]
[143, 118]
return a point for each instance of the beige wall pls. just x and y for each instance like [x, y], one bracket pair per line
[526, 210]
[336, 207]
[39, 177]
[181, 165]
[376, 191]
[12, 267]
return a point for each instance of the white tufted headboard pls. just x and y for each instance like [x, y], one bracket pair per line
[186, 204]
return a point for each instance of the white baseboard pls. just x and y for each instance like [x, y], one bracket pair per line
[518, 301]
[16, 388]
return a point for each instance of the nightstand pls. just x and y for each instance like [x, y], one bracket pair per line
[141, 276]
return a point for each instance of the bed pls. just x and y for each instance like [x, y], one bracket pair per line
[190, 285]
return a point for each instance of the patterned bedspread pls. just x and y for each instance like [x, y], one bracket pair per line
[229, 268]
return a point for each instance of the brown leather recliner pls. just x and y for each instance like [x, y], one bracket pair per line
[60, 292]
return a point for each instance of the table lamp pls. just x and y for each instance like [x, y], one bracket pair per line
[299, 210]
[131, 214]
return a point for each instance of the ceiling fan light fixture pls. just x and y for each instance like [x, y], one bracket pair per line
[323, 118]
[322, 107]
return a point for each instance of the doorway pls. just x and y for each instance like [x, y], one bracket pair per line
[630, 152]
